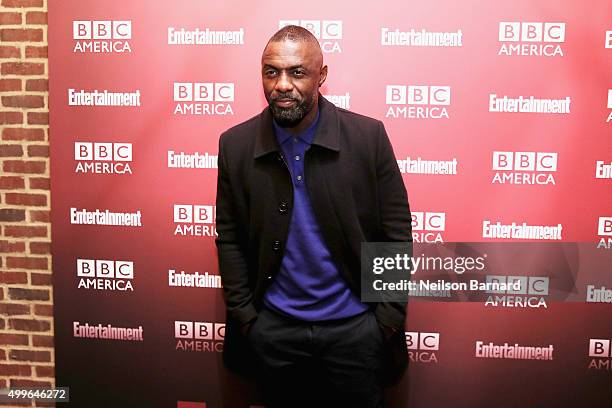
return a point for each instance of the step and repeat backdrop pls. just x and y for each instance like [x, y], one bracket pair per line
[500, 114]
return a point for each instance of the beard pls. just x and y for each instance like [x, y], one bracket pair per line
[290, 117]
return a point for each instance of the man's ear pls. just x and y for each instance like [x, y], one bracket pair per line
[323, 75]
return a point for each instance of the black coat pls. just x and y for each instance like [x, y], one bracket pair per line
[357, 194]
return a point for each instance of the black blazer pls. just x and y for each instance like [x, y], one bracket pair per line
[357, 194]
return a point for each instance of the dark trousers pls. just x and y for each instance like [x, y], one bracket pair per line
[334, 363]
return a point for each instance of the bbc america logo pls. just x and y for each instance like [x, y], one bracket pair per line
[195, 220]
[600, 354]
[428, 226]
[199, 336]
[103, 158]
[524, 167]
[328, 32]
[531, 39]
[102, 274]
[530, 291]
[420, 101]
[604, 231]
[102, 36]
[203, 98]
[422, 346]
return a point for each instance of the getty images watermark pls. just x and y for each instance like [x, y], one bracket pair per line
[499, 274]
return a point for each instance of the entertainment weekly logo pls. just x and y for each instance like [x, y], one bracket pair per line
[604, 232]
[531, 39]
[532, 292]
[104, 36]
[524, 168]
[418, 102]
[194, 160]
[608, 39]
[199, 336]
[103, 158]
[328, 32]
[193, 280]
[598, 294]
[513, 351]
[341, 101]
[420, 38]
[528, 104]
[106, 332]
[517, 231]
[411, 165]
[600, 355]
[428, 227]
[104, 97]
[203, 98]
[422, 347]
[205, 36]
[195, 220]
[603, 170]
[107, 275]
[105, 217]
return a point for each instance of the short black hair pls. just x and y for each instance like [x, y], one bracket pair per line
[293, 33]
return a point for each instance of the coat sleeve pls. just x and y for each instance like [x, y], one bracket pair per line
[233, 265]
[395, 218]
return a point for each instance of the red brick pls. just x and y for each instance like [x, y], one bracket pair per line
[40, 247]
[7, 51]
[23, 383]
[22, 68]
[14, 339]
[27, 262]
[38, 118]
[45, 371]
[41, 85]
[10, 18]
[36, 17]
[22, 3]
[26, 199]
[13, 277]
[13, 84]
[21, 34]
[29, 325]
[40, 340]
[36, 52]
[15, 369]
[11, 150]
[12, 183]
[43, 310]
[2, 354]
[18, 166]
[39, 183]
[28, 294]
[12, 309]
[23, 101]
[23, 231]
[10, 246]
[10, 118]
[41, 279]
[30, 355]
[12, 214]
[23, 134]
[38, 151]
[40, 216]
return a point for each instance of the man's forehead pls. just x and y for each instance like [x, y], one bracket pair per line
[291, 53]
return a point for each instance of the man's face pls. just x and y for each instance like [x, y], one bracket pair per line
[291, 74]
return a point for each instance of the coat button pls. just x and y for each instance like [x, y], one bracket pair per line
[276, 245]
[269, 277]
[283, 207]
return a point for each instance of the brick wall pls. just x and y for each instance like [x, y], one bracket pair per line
[26, 318]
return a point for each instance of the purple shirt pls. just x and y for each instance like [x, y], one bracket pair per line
[308, 286]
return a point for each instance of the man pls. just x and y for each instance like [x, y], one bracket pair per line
[300, 187]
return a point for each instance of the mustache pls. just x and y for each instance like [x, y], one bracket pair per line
[284, 96]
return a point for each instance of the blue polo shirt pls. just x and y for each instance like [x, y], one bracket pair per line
[308, 286]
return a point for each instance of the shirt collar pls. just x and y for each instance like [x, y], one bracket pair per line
[307, 135]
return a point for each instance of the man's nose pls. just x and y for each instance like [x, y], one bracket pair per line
[283, 84]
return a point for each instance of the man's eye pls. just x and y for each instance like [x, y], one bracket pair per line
[270, 73]
[298, 73]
